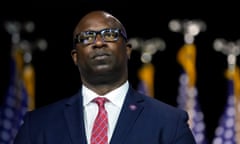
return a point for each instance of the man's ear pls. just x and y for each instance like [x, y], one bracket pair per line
[74, 56]
[129, 50]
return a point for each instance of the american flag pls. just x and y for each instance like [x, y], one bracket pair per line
[226, 132]
[188, 95]
[188, 100]
[15, 106]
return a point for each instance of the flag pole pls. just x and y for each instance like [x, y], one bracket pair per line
[23, 49]
[21, 53]
[147, 48]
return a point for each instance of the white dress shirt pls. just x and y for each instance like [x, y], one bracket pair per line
[113, 107]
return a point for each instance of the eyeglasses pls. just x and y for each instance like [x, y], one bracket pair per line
[108, 35]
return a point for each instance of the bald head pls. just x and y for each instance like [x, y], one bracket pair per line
[96, 20]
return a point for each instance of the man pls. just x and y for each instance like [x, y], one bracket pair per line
[101, 52]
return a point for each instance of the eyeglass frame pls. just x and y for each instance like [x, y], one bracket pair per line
[101, 32]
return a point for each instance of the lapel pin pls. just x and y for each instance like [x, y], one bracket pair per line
[132, 107]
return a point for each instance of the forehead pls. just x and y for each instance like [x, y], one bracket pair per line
[97, 22]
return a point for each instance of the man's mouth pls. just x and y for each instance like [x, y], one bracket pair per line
[100, 57]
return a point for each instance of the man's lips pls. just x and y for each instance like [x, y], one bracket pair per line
[100, 57]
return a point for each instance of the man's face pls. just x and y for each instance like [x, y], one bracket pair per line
[100, 57]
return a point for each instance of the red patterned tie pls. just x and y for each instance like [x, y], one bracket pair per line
[100, 127]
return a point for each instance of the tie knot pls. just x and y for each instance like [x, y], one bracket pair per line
[100, 101]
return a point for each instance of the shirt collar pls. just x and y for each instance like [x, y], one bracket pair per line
[116, 96]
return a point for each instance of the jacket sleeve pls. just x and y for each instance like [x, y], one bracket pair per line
[23, 136]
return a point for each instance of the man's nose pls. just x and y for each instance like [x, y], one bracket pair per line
[99, 40]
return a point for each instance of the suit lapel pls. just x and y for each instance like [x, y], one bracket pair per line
[130, 112]
[74, 118]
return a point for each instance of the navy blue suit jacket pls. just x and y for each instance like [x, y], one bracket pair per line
[143, 120]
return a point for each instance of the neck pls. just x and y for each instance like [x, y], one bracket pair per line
[104, 88]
